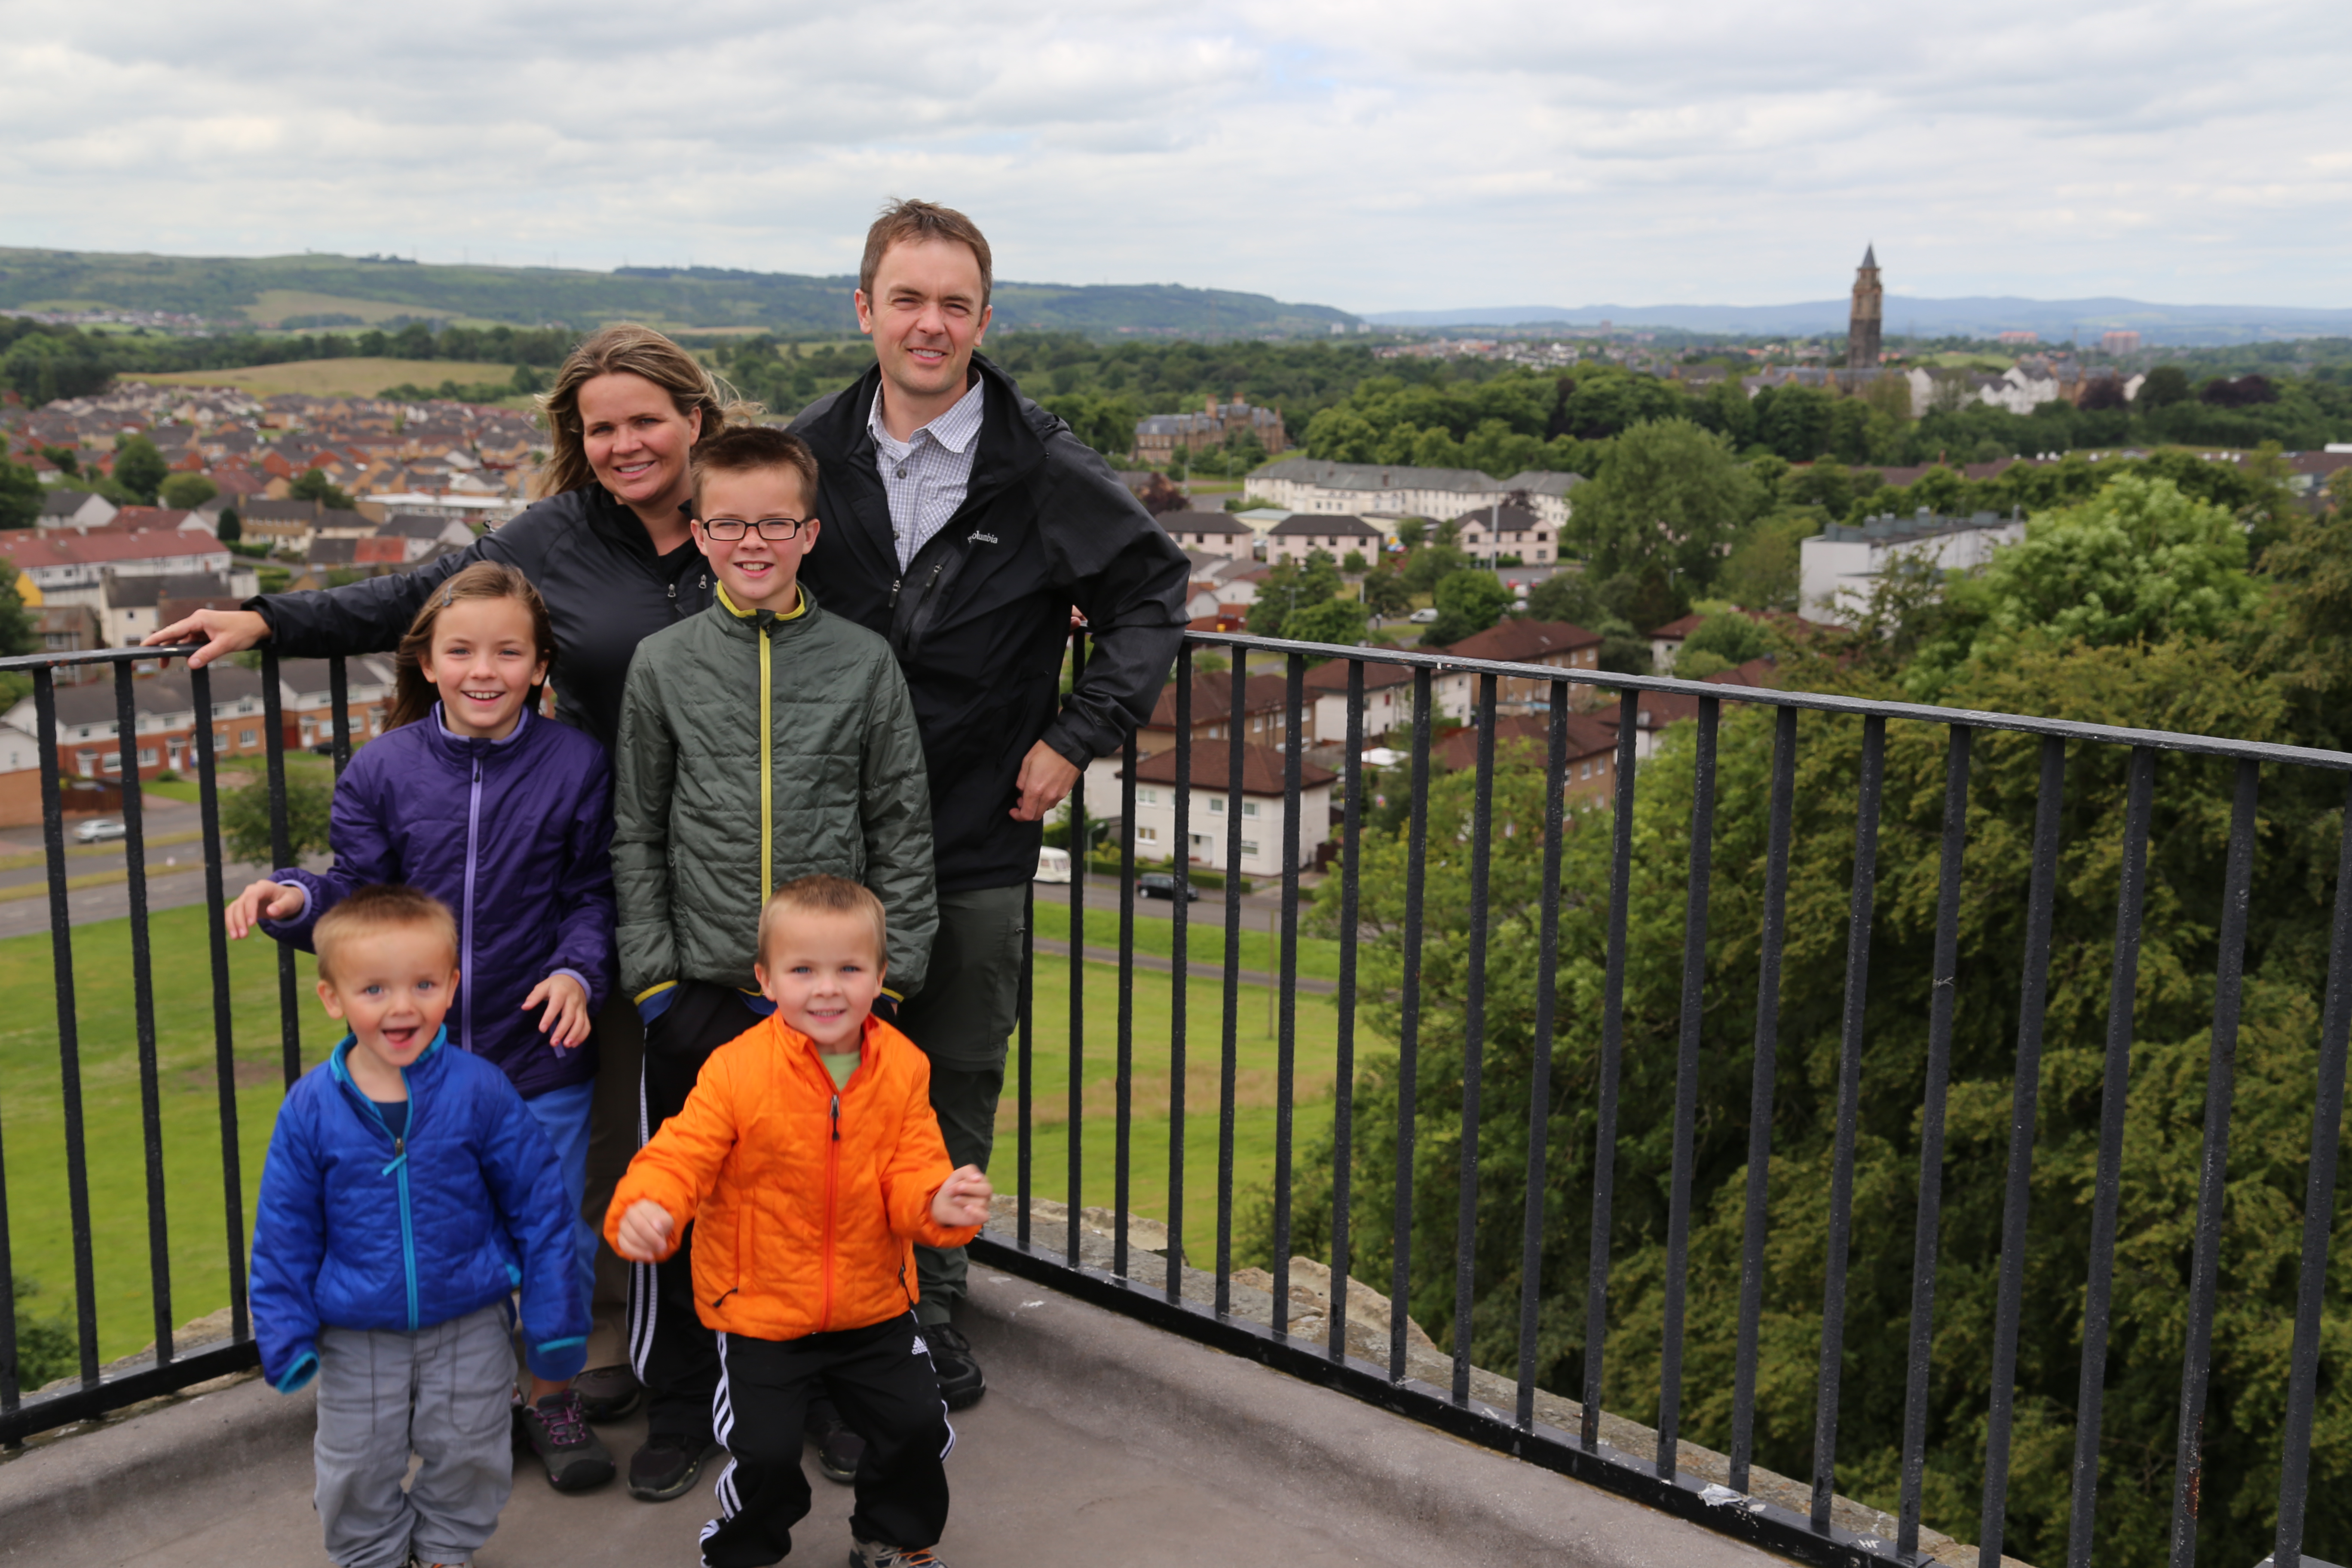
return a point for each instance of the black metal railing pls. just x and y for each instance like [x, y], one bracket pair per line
[1660, 1477]
[98, 1386]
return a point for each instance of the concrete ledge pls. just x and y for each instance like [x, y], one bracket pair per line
[1395, 1488]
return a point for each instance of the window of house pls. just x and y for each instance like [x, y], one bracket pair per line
[146, 756]
[1216, 805]
[1146, 835]
[246, 737]
[89, 764]
[1249, 847]
[113, 763]
[1147, 797]
[1249, 808]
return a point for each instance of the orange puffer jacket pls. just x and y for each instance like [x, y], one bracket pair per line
[807, 1201]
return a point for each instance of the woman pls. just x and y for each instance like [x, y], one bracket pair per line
[608, 549]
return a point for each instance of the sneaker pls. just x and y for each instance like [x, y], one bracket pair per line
[838, 1450]
[668, 1465]
[960, 1383]
[557, 1431]
[874, 1554]
[608, 1393]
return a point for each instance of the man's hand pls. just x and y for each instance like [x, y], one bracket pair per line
[1046, 776]
[223, 632]
[961, 1200]
[643, 1232]
[263, 901]
[567, 1010]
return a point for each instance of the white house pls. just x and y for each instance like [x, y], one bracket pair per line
[1216, 533]
[1262, 807]
[1392, 490]
[1388, 700]
[67, 567]
[1498, 530]
[74, 510]
[1297, 538]
[1838, 566]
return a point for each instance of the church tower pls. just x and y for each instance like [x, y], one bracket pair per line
[1861, 331]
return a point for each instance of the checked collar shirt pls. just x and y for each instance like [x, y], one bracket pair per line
[926, 476]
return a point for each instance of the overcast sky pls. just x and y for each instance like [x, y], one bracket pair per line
[1373, 155]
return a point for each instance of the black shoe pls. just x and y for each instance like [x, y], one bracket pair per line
[609, 1393]
[558, 1433]
[838, 1450]
[960, 1383]
[876, 1554]
[668, 1465]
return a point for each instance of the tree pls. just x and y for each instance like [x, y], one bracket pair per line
[188, 491]
[1670, 499]
[1385, 594]
[1291, 585]
[45, 1349]
[2166, 384]
[1341, 621]
[1467, 603]
[43, 367]
[2139, 562]
[67, 460]
[1412, 530]
[314, 485]
[245, 819]
[1353, 563]
[1762, 572]
[20, 495]
[1729, 639]
[231, 527]
[1425, 568]
[140, 469]
[16, 632]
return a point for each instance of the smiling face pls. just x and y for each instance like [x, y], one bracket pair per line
[638, 441]
[758, 573]
[822, 970]
[393, 988]
[484, 660]
[926, 317]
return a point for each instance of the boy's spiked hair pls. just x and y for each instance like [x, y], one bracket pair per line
[826, 896]
[747, 449]
[388, 907]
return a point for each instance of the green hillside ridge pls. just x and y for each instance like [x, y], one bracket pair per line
[342, 291]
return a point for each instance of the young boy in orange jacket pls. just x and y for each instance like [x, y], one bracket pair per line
[809, 1162]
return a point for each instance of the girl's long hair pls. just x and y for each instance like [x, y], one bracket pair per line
[413, 696]
[627, 348]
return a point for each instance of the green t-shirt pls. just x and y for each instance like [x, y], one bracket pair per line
[842, 1065]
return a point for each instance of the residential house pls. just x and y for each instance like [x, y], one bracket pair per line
[1160, 436]
[20, 776]
[130, 606]
[70, 629]
[309, 711]
[1524, 741]
[66, 568]
[1656, 711]
[87, 733]
[132, 518]
[1261, 808]
[1387, 702]
[1498, 531]
[281, 524]
[1557, 644]
[420, 532]
[1391, 489]
[1297, 537]
[1219, 532]
[74, 510]
[1838, 567]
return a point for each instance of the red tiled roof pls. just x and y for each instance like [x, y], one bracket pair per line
[1212, 769]
[1516, 641]
[104, 545]
[1588, 733]
[1332, 677]
[1212, 697]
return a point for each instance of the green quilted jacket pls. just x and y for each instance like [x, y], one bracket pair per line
[753, 750]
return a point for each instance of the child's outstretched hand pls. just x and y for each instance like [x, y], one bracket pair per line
[644, 1232]
[263, 901]
[962, 1198]
[567, 1010]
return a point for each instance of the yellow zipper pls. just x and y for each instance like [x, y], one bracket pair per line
[767, 764]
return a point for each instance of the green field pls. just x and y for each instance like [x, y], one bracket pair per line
[32, 1122]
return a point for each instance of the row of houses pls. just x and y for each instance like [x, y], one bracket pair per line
[1396, 491]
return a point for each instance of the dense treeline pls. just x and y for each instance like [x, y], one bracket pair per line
[2141, 605]
[41, 363]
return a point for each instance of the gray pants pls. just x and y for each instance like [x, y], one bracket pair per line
[964, 1018]
[443, 1393]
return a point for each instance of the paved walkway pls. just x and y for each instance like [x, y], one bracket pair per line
[1101, 1442]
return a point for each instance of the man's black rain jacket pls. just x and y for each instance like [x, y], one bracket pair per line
[981, 616]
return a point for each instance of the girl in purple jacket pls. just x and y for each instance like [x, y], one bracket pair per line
[506, 816]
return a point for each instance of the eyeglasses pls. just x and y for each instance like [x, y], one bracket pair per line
[726, 530]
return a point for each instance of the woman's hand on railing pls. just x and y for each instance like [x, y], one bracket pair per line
[223, 632]
[263, 900]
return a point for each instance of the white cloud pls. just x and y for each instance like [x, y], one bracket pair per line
[1372, 155]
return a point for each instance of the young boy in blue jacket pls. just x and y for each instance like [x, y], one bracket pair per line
[403, 1178]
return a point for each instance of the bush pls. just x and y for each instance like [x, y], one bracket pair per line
[45, 1350]
[245, 820]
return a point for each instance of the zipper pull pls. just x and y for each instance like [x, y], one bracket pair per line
[836, 1119]
[672, 588]
[893, 591]
[400, 1146]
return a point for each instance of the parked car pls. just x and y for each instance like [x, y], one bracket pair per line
[1161, 885]
[1053, 865]
[99, 830]
[1422, 618]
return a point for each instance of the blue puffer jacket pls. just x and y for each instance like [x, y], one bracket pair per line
[358, 1230]
[515, 835]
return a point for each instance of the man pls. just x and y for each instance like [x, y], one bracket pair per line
[964, 522]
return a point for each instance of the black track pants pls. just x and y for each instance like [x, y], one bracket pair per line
[881, 1380]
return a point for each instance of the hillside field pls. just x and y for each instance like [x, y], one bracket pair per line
[337, 377]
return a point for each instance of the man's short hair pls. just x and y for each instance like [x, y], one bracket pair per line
[911, 223]
[371, 912]
[823, 895]
[749, 448]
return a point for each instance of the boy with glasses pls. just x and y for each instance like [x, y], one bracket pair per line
[760, 741]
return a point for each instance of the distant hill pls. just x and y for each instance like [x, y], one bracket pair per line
[1975, 317]
[314, 291]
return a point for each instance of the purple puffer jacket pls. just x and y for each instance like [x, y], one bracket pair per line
[515, 835]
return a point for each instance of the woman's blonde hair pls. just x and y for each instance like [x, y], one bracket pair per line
[413, 696]
[624, 348]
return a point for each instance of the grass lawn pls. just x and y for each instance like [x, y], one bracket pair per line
[32, 1119]
[32, 1116]
[338, 378]
[1204, 939]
